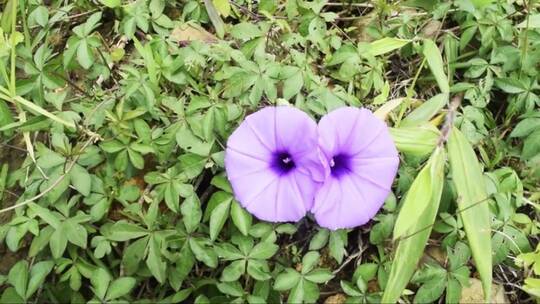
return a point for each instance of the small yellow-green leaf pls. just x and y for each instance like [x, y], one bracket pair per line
[386, 45]
[241, 218]
[420, 194]
[415, 141]
[473, 201]
[411, 245]
[215, 18]
[223, 7]
[436, 65]
[426, 111]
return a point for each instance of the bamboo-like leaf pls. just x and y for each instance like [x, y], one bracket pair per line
[426, 111]
[215, 18]
[436, 65]
[415, 141]
[417, 199]
[386, 45]
[469, 182]
[412, 244]
[35, 108]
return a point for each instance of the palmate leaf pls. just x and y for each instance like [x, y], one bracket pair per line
[411, 246]
[469, 182]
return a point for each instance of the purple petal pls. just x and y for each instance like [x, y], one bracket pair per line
[363, 161]
[273, 163]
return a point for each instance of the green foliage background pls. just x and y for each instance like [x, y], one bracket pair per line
[114, 115]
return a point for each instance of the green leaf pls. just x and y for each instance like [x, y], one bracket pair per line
[531, 145]
[37, 276]
[75, 233]
[203, 254]
[309, 261]
[411, 246]
[18, 277]
[430, 291]
[293, 85]
[80, 179]
[231, 288]
[233, 271]
[100, 282]
[426, 111]
[215, 18]
[526, 127]
[111, 3]
[416, 141]
[481, 3]
[35, 108]
[191, 211]
[319, 240]
[473, 201]
[6, 117]
[246, 31]
[154, 261]
[191, 143]
[58, 243]
[386, 45]
[122, 231]
[223, 7]
[297, 293]
[319, 276]
[419, 195]
[263, 251]
[120, 287]
[40, 15]
[46, 215]
[287, 280]
[219, 216]
[436, 65]
[453, 291]
[531, 21]
[510, 85]
[84, 54]
[241, 218]
[258, 269]
[337, 244]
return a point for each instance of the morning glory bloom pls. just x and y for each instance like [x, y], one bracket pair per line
[274, 165]
[363, 162]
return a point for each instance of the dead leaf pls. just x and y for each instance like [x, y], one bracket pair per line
[336, 299]
[475, 294]
[190, 32]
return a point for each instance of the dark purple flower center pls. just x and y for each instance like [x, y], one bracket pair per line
[340, 165]
[282, 162]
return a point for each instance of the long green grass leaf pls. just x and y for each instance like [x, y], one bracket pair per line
[436, 65]
[412, 244]
[215, 18]
[386, 45]
[469, 182]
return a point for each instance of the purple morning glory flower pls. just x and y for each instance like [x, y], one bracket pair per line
[363, 163]
[274, 165]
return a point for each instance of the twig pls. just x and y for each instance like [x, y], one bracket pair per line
[449, 121]
[348, 260]
[56, 182]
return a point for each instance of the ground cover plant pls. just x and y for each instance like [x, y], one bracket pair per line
[114, 121]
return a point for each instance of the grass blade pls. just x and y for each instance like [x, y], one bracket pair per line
[386, 45]
[436, 65]
[215, 18]
[469, 182]
[411, 246]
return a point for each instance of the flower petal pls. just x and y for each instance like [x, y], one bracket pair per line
[368, 162]
[348, 202]
[267, 192]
